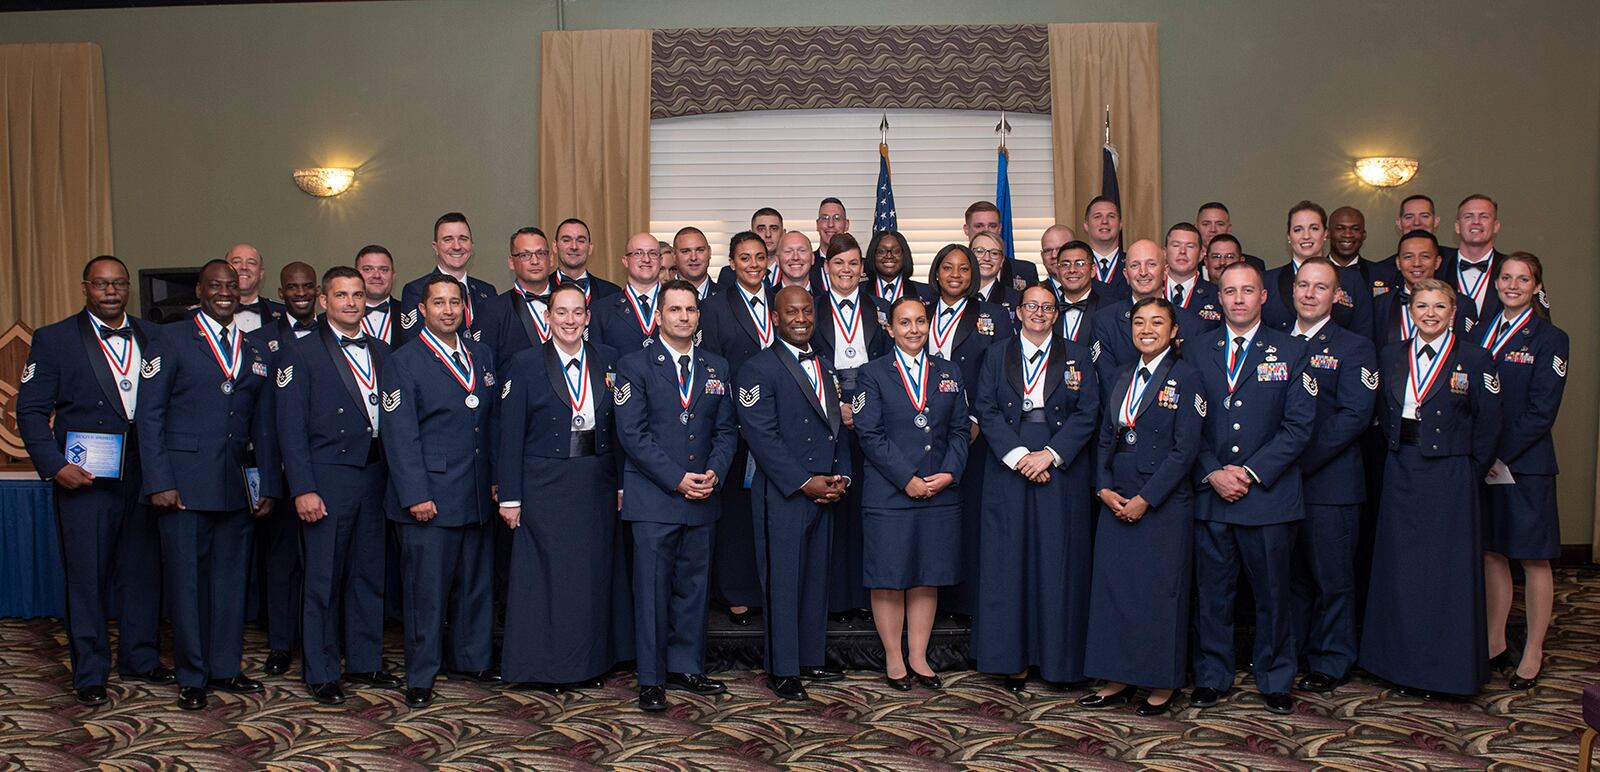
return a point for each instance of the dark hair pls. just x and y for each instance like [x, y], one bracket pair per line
[843, 242]
[1416, 197]
[566, 286]
[686, 230]
[1186, 227]
[102, 259]
[527, 231]
[338, 272]
[871, 254]
[374, 249]
[1419, 233]
[680, 285]
[1479, 197]
[440, 278]
[1261, 278]
[1320, 260]
[575, 221]
[1226, 237]
[1166, 307]
[1078, 244]
[904, 299]
[766, 211]
[1212, 205]
[938, 260]
[831, 200]
[450, 217]
[1306, 206]
[740, 238]
[1100, 200]
[1541, 302]
[215, 261]
[979, 206]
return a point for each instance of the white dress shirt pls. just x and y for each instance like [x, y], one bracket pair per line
[128, 371]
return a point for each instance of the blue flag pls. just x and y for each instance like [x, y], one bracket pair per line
[883, 214]
[1002, 201]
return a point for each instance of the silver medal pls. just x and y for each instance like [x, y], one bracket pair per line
[850, 351]
[227, 387]
[1027, 404]
[125, 385]
[683, 418]
[920, 420]
[472, 401]
[372, 399]
[577, 422]
[1130, 437]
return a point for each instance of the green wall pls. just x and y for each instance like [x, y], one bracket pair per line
[1263, 103]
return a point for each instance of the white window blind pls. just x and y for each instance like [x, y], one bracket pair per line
[714, 171]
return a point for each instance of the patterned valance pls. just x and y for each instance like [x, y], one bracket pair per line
[976, 67]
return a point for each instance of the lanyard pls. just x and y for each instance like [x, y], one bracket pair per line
[889, 291]
[943, 332]
[816, 379]
[1188, 295]
[469, 380]
[119, 364]
[540, 324]
[1494, 343]
[1111, 268]
[1424, 384]
[1130, 402]
[364, 374]
[916, 387]
[1236, 368]
[848, 325]
[1031, 381]
[229, 361]
[578, 393]
[686, 387]
[763, 321]
[1478, 288]
[381, 332]
[647, 323]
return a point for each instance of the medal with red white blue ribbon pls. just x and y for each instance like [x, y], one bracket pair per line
[381, 332]
[228, 361]
[1423, 384]
[916, 386]
[578, 393]
[122, 363]
[540, 324]
[1031, 380]
[848, 324]
[1236, 360]
[647, 322]
[1494, 343]
[468, 379]
[943, 331]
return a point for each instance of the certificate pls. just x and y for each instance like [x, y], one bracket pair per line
[99, 453]
[252, 486]
[1499, 474]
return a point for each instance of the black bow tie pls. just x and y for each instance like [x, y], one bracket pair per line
[361, 341]
[107, 333]
[304, 326]
[529, 297]
[1470, 266]
[807, 356]
[1081, 306]
[383, 307]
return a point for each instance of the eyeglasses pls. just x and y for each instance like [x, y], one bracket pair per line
[638, 253]
[830, 218]
[1035, 307]
[101, 284]
[525, 254]
[891, 251]
[987, 253]
[1077, 262]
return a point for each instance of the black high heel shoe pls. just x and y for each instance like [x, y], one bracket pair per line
[1518, 683]
[926, 681]
[1122, 696]
[901, 684]
[1502, 661]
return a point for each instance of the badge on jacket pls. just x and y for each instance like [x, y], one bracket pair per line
[985, 324]
[1459, 383]
[1325, 362]
[1272, 371]
[1073, 378]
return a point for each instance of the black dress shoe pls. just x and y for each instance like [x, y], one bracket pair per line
[160, 674]
[92, 695]
[328, 693]
[191, 698]
[1147, 708]
[419, 697]
[652, 698]
[540, 686]
[901, 684]
[1016, 685]
[490, 676]
[381, 679]
[1122, 696]
[1204, 697]
[927, 681]
[697, 683]
[587, 683]
[238, 684]
[841, 618]
[277, 662]
[1519, 683]
[1501, 661]
[821, 674]
[740, 618]
[787, 687]
[1279, 702]
[1317, 681]
[1412, 691]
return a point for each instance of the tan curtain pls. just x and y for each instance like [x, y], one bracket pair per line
[594, 137]
[1091, 66]
[55, 177]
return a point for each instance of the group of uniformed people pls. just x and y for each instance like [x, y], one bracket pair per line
[1084, 464]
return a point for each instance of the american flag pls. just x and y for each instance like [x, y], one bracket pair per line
[883, 214]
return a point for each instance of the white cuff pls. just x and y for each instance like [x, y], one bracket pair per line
[508, 504]
[1013, 456]
[1054, 455]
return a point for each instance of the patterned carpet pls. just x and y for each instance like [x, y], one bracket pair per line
[856, 724]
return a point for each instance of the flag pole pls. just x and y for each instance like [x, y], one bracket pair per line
[1108, 124]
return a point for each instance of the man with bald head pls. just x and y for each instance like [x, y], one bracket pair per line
[1347, 233]
[1145, 276]
[254, 311]
[797, 264]
[628, 320]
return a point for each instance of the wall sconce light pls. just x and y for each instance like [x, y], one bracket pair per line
[324, 181]
[1386, 171]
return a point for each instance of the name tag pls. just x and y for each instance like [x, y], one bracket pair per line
[714, 386]
[1074, 379]
[1272, 371]
[948, 386]
[1459, 383]
[1325, 362]
[1168, 397]
[1519, 358]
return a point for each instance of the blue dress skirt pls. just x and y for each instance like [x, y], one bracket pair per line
[1520, 521]
[911, 547]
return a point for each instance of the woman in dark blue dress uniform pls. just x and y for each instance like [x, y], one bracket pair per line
[1144, 539]
[1520, 517]
[889, 271]
[1038, 403]
[568, 608]
[1424, 628]
[912, 422]
[961, 331]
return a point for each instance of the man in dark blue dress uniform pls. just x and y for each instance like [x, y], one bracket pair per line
[376, 267]
[1102, 229]
[1417, 212]
[1185, 288]
[675, 420]
[693, 254]
[452, 248]
[573, 247]
[328, 425]
[1213, 220]
[84, 369]
[1347, 233]
[789, 413]
[627, 321]
[984, 217]
[1476, 262]
[1072, 280]
[437, 395]
[1145, 276]
[253, 311]
[208, 443]
[1262, 405]
[1345, 366]
[522, 315]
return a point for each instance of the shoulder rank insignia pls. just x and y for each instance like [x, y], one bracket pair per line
[505, 388]
[622, 394]
[1491, 384]
[150, 367]
[27, 372]
[857, 402]
[1556, 363]
[1310, 383]
[1199, 405]
[408, 319]
[749, 397]
[1094, 351]
[391, 401]
[1369, 379]
[285, 375]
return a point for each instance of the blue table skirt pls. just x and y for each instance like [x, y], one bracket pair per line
[31, 581]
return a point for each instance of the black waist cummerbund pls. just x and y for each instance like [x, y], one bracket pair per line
[1410, 432]
[1035, 416]
[582, 444]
